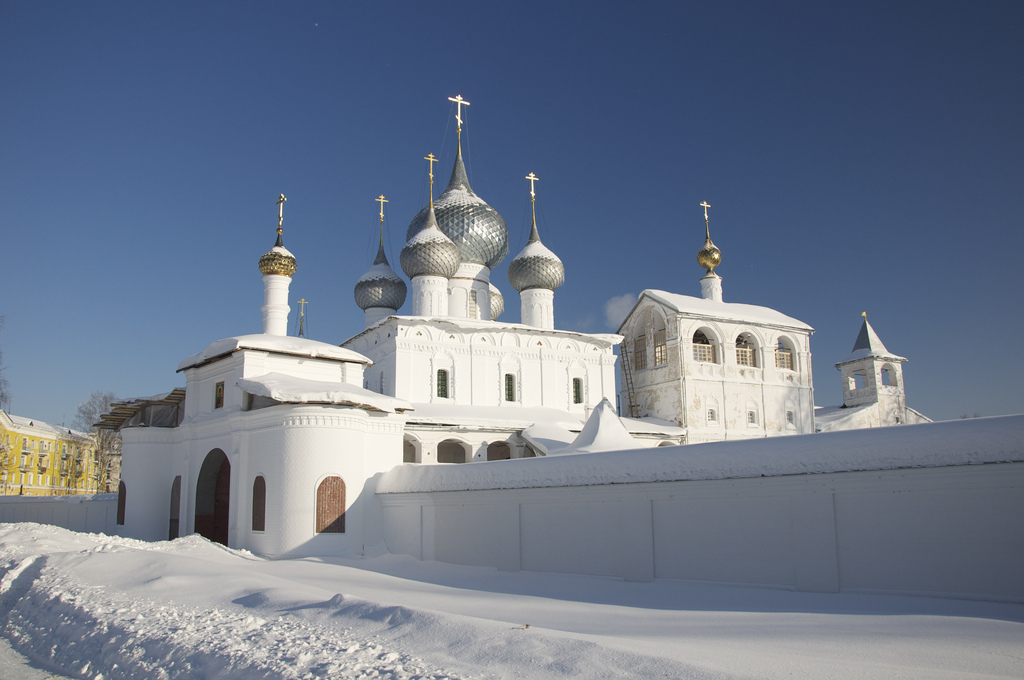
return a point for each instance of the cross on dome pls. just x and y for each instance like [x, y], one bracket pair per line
[280, 213]
[430, 172]
[459, 101]
[533, 178]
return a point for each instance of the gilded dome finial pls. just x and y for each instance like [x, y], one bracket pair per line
[431, 160]
[278, 260]
[709, 256]
[459, 103]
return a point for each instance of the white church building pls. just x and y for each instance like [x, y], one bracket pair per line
[275, 442]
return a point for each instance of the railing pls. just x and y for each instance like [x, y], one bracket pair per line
[784, 359]
[705, 353]
[745, 356]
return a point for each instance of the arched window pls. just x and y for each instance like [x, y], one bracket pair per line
[640, 353]
[451, 451]
[442, 383]
[259, 504]
[577, 390]
[121, 493]
[510, 387]
[746, 354]
[473, 307]
[703, 350]
[172, 529]
[860, 379]
[330, 506]
[783, 356]
[888, 376]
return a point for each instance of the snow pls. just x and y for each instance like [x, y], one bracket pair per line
[536, 249]
[726, 311]
[294, 390]
[959, 442]
[95, 606]
[491, 417]
[279, 344]
[608, 339]
[603, 431]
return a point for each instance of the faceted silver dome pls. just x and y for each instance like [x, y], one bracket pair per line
[380, 286]
[536, 266]
[497, 303]
[475, 227]
[429, 252]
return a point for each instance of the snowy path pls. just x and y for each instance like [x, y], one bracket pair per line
[95, 606]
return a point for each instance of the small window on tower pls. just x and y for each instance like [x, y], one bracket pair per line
[218, 395]
[442, 383]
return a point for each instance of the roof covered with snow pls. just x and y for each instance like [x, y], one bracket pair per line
[463, 324]
[725, 311]
[277, 344]
[950, 443]
[48, 429]
[868, 344]
[292, 390]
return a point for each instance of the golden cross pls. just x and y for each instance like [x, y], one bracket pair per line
[302, 306]
[459, 101]
[533, 178]
[865, 315]
[302, 316]
[380, 199]
[431, 160]
[280, 212]
[705, 205]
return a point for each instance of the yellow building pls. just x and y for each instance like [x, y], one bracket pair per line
[39, 459]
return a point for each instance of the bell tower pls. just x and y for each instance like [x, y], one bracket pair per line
[872, 374]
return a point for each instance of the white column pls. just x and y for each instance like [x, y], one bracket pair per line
[429, 296]
[468, 279]
[275, 304]
[538, 308]
[711, 287]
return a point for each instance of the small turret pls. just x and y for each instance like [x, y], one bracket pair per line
[536, 272]
[380, 292]
[277, 266]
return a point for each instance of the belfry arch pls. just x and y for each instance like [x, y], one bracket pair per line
[213, 497]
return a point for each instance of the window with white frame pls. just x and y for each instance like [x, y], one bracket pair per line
[783, 357]
[640, 353]
[745, 354]
[703, 350]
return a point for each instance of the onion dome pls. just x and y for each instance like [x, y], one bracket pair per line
[497, 302]
[475, 227]
[429, 252]
[278, 260]
[380, 286]
[536, 266]
[709, 256]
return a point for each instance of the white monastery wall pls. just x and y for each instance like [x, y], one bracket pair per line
[931, 509]
[93, 514]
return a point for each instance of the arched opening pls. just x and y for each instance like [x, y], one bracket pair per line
[499, 451]
[172, 529]
[259, 504]
[784, 355]
[660, 341]
[859, 380]
[888, 376]
[122, 491]
[410, 454]
[451, 451]
[330, 506]
[213, 497]
[746, 351]
[703, 349]
[667, 442]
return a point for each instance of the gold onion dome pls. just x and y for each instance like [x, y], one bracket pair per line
[429, 252]
[278, 260]
[497, 302]
[708, 256]
[476, 228]
[536, 266]
[380, 286]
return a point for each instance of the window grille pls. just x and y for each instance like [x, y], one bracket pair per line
[577, 390]
[703, 350]
[783, 358]
[442, 383]
[640, 353]
[510, 387]
[660, 348]
[751, 417]
[745, 353]
[712, 415]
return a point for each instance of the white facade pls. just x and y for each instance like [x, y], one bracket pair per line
[720, 370]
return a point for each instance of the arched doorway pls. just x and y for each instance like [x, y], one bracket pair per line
[451, 451]
[213, 495]
[499, 451]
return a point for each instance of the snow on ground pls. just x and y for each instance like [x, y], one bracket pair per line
[94, 606]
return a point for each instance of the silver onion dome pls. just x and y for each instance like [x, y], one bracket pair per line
[380, 286]
[429, 252]
[475, 227]
[497, 302]
[536, 266]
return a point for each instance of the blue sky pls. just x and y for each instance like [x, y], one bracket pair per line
[857, 156]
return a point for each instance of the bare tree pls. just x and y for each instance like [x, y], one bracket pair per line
[5, 392]
[108, 442]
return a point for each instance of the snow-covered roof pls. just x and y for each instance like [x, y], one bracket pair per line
[292, 390]
[949, 443]
[123, 410]
[52, 430]
[462, 324]
[725, 311]
[277, 344]
[492, 417]
[867, 345]
[603, 431]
